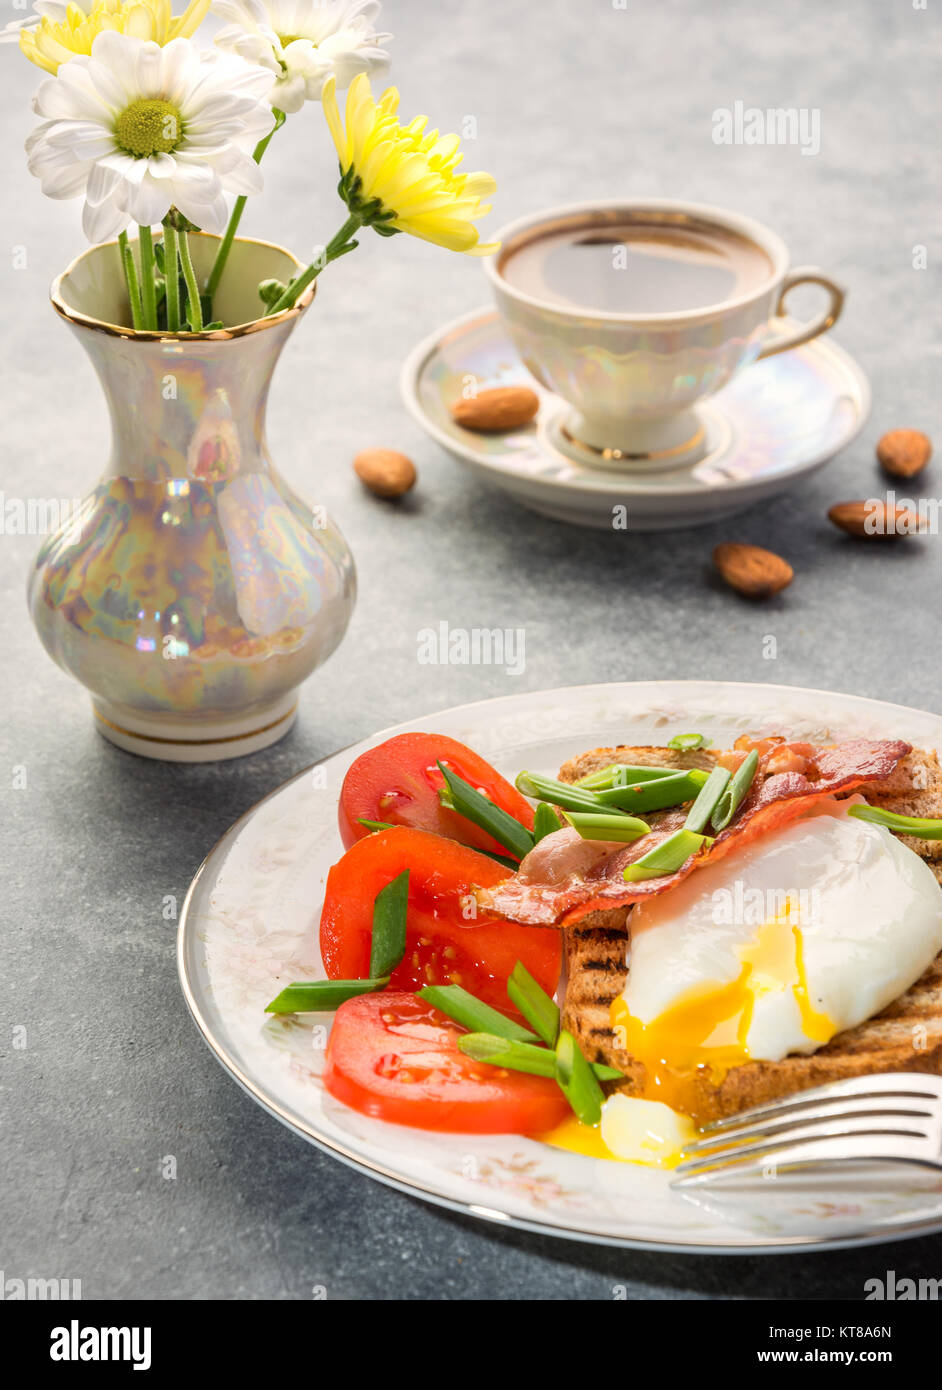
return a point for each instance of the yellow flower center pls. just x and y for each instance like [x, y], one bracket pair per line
[147, 127]
[285, 39]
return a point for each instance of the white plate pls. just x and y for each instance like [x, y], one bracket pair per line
[775, 422]
[249, 927]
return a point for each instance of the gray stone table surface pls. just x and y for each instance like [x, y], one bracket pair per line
[571, 101]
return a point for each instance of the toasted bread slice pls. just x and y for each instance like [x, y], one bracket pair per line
[906, 1036]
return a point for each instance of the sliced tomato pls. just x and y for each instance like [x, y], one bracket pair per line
[398, 783]
[449, 939]
[393, 1056]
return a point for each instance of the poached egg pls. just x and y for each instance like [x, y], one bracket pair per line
[808, 932]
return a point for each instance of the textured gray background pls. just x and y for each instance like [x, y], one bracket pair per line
[572, 101]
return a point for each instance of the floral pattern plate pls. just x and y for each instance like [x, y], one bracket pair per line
[249, 927]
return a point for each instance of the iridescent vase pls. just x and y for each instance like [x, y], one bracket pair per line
[192, 591]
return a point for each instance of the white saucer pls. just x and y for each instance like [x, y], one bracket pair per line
[776, 422]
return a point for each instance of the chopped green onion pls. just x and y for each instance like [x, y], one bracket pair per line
[481, 812]
[605, 1073]
[540, 1011]
[521, 1056]
[684, 743]
[922, 827]
[375, 825]
[607, 825]
[607, 776]
[731, 800]
[577, 1081]
[657, 794]
[705, 804]
[667, 857]
[321, 996]
[502, 1052]
[545, 822]
[565, 794]
[390, 910]
[473, 1014]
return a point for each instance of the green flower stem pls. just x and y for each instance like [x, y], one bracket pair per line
[338, 246]
[130, 277]
[225, 246]
[194, 310]
[172, 277]
[148, 285]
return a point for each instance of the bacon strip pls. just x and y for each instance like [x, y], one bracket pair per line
[564, 878]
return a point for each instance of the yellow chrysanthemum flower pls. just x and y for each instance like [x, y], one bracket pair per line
[68, 30]
[404, 178]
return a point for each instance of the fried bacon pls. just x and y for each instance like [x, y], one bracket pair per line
[564, 877]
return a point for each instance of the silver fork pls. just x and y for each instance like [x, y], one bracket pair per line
[896, 1115]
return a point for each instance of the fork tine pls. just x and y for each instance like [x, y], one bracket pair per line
[903, 1086]
[830, 1136]
[878, 1144]
[798, 1119]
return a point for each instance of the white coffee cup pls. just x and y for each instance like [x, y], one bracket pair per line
[633, 381]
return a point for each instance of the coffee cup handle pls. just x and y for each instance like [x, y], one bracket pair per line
[803, 333]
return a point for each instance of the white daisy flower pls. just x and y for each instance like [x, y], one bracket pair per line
[139, 129]
[303, 42]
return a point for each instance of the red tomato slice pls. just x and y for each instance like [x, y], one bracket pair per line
[394, 1056]
[449, 940]
[399, 782]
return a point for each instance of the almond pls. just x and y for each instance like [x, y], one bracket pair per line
[904, 453]
[875, 519]
[385, 472]
[752, 571]
[501, 408]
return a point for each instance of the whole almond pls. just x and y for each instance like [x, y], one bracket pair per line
[904, 453]
[385, 472]
[875, 519]
[752, 571]
[501, 408]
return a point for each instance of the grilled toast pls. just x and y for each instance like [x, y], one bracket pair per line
[906, 1036]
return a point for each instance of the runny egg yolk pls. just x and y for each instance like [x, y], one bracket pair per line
[705, 1032]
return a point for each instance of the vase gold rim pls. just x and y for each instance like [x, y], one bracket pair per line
[216, 335]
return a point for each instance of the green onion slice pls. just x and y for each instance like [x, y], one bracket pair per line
[922, 827]
[684, 743]
[375, 825]
[667, 857]
[473, 1014]
[545, 822]
[577, 1081]
[540, 1011]
[625, 774]
[481, 812]
[705, 804]
[321, 996]
[731, 800]
[607, 825]
[565, 794]
[390, 910]
[657, 794]
[521, 1056]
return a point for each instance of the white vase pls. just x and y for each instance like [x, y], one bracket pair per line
[192, 591]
